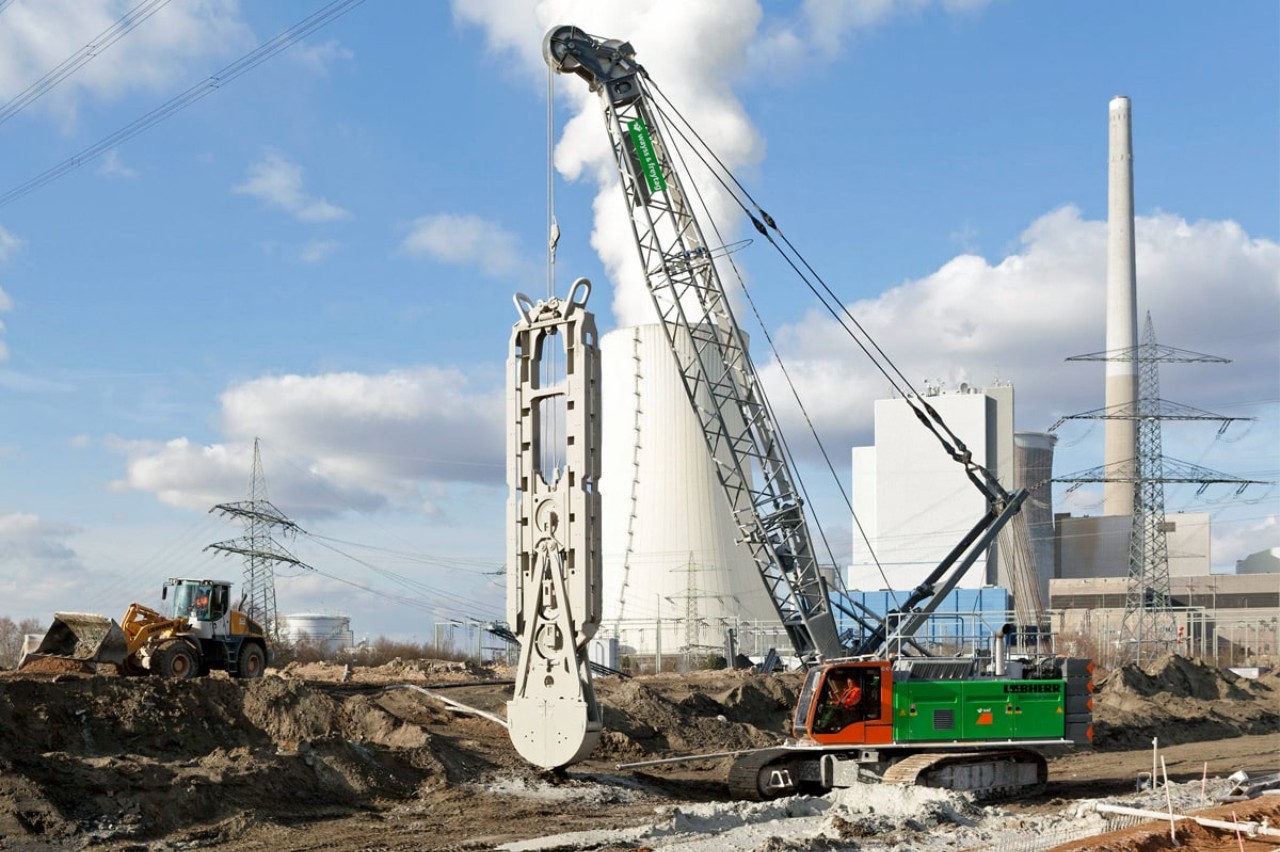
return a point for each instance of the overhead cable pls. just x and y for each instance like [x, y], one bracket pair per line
[249, 61]
[80, 58]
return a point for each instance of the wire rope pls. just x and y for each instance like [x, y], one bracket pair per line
[553, 228]
[550, 425]
[424, 591]
[765, 224]
[248, 62]
[701, 145]
[82, 57]
[747, 296]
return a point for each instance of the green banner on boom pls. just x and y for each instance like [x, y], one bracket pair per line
[643, 146]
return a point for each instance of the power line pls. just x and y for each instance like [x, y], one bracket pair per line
[426, 592]
[80, 58]
[249, 61]
[462, 563]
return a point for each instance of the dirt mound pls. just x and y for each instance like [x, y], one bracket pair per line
[694, 713]
[112, 761]
[395, 671]
[1181, 700]
[1180, 677]
[97, 757]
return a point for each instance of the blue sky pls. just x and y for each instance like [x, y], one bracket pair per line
[322, 253]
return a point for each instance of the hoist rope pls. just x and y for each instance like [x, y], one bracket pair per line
[765, 223]
[767, 227]
[551, 437]
[661, 117]
[553, 229]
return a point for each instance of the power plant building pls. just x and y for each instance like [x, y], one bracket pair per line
[1099, 546]
[675, 579]
[913, 501]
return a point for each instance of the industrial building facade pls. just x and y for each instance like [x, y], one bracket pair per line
[913, 502]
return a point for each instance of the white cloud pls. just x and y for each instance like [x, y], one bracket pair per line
[8, 245]
[113, 165]
[465, 241]
[692, 51]
[39, 35]
[278, 183]
[335, 442]
[1020, 318]
[317, 250]
[37, 564]
[1233, 541]
[320, 57]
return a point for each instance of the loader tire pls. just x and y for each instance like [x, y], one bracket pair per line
[176, 661]
[131, 667]
[253, 661]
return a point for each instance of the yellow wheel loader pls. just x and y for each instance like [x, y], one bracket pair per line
[202, 632]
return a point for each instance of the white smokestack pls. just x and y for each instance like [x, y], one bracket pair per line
[1122, 315]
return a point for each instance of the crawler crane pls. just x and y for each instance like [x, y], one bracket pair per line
[871, 712]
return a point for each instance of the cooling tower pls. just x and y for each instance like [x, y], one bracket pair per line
[670, 556]
[1122, 318]
[1033, 470]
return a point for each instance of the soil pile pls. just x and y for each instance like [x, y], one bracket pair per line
[694, 713]
[1180, 701]
[91, 758]
[348, 752]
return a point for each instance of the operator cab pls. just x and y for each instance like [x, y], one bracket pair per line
[200, 601]
[846, 703]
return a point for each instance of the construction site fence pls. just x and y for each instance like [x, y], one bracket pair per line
[1224, 640]
[642, 646]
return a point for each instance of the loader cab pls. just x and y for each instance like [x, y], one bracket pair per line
[200, 600]
[847, 703]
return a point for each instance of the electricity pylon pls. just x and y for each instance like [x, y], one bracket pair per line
[1148, 627]
[261, 552]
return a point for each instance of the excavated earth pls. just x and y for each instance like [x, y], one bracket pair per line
[325, 757]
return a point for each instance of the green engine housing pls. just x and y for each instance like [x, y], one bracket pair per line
[934, 710]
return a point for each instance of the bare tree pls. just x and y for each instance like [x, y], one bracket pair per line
[11, 637]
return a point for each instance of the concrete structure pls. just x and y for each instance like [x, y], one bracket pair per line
[1120, 452]
[1099, 546]
[1033, 470]
[674, 577]
[330, 632]
[1262, 562]
[913, 500]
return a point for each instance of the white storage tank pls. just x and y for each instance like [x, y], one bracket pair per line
[674, 579]
[330, 632]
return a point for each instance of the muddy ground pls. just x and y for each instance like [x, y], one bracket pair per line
[318, 757]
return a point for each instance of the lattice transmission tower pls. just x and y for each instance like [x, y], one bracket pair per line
[1149, 625]
[260, 550]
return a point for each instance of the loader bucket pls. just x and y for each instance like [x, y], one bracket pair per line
[82, 637]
